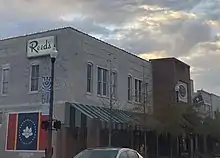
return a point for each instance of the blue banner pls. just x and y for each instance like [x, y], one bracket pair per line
[46, 87]
[27, 131]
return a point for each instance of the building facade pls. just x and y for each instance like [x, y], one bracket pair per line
[171, 83]
[206, 103]
[82, 75]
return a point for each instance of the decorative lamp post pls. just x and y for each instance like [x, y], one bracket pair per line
[177, 88]
[49, 151]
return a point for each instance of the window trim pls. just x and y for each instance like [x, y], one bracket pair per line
[6, 66]
[131, 88]
[33, 64]
[92, 77]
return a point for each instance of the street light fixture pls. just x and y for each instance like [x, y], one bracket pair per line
[49, 151]
[177, 88]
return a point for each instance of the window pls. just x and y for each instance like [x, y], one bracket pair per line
[114, 84]
[102, 86]
[5, 80]
[132, 154]
[145, 91]
[105, 84]
[99, 86]
[34, 78]
[89, 77]
[1, 118]
[97, 153]
[123, 155]
[129, 88]
[137, 88]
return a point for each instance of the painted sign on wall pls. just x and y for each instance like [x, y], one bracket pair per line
[40, 46]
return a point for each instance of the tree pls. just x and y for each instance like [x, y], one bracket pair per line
[211, 126]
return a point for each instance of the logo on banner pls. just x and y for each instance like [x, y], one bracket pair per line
[24, 132]
[27, 131]
[46, 87]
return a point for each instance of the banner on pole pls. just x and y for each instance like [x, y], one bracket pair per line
[45, 88]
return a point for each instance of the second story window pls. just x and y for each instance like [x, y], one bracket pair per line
[5, 80]
[114, 84]
[146, 92]
[34, 83]
[89, 77]
[137, 88]
[1, 118]
[129, 88]
[102, 85]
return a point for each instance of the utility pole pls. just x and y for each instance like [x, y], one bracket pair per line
[110, 104]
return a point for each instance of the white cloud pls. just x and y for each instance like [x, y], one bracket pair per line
[188, 30]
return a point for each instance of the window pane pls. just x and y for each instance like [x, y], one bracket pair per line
[89, 78]
[34, 77]
[123, 155]
[97, 154]
[99, 74]
[104, 88]
[89, 71]
[132, 154]
[5, 80]
[99, 89]
[5, 88]
[105, 84]
[5, 75]
[89, 85]
[136, 89]
[35, 71]
[1, 117]
[99, 85]
[139, 90]
[104, 75]
[34, 84]
[129, 87]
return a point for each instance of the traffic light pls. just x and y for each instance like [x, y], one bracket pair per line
[57, 124]
[45, 125]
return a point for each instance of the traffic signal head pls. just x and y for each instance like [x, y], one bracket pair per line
[57, 124]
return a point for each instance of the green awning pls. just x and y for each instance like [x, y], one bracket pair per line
[103, 113]
[119, 117]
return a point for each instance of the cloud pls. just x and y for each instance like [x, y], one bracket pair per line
[188, 30]
[204, 61]
[153, 55]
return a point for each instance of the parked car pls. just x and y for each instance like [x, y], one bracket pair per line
[108, 153]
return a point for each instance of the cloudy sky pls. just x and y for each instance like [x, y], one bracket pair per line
[186, 29]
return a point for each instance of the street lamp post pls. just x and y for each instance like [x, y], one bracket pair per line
[49, 153]
[177, 88]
